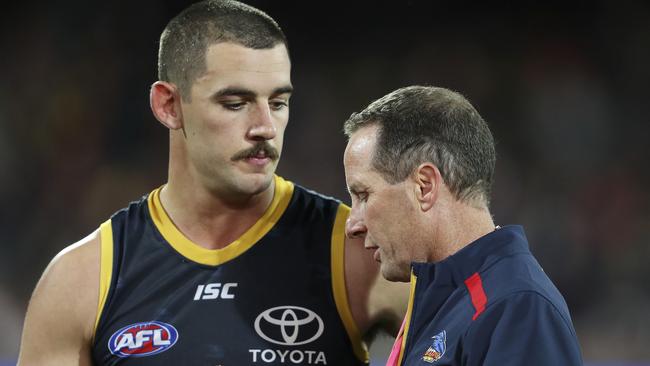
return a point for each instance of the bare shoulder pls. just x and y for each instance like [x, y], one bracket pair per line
[375, 303]
[60, 318]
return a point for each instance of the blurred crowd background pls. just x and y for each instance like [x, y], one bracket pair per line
[563, 85]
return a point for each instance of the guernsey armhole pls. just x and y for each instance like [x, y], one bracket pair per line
[409, 311]
[105, 268]
[338, 284]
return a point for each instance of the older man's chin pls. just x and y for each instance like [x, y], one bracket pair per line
[396, 274]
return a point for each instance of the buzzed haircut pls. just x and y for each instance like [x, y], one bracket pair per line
[186, 38]
[419, 124]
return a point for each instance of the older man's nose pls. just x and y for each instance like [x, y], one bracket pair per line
[354, 227]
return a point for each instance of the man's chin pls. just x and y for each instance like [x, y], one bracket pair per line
[394, 274]
[263, 186]
[242, 186]
[258, 182]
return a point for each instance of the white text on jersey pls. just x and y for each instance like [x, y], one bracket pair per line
[213, 291]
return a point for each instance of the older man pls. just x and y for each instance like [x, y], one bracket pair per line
[419, 165]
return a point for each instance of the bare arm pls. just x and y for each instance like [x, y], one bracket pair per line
[60, 319]
[376, 304]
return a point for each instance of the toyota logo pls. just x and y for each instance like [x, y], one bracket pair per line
[289, 325]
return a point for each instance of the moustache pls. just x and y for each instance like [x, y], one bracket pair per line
[264, 147]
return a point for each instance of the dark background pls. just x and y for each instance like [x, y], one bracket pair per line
[564, 87]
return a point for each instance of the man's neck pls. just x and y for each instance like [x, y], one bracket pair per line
[206, 218]
[465, 225]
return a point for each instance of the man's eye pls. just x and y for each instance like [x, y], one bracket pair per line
[233, 106]
[278, 105]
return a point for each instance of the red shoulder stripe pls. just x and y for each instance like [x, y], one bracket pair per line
[475, 288]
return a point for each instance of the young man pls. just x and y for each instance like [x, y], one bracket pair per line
[419, 165]
[227, 263]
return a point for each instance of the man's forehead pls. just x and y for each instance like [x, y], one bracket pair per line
[232, 66]
[233, 56]
[362, 142]
[358, 156]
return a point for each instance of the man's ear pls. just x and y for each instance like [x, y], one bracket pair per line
[165, 101]
[428, 181]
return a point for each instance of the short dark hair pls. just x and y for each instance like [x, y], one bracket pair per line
[420, 124]
[184, 42]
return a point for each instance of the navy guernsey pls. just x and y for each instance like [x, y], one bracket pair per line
[489, 304]
[275, 296]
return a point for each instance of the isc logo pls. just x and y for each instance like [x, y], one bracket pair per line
[143, 339]
[215, 291]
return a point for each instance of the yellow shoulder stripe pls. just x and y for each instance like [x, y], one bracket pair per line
[105, 267]
[338, 284]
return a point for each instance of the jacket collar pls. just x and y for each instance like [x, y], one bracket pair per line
[474, 257]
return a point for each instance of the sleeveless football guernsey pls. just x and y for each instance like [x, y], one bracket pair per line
[275, 296]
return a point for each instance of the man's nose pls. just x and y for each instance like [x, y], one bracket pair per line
[354, 226]
[263, 126]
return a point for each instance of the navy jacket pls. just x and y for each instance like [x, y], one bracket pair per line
[489, 304]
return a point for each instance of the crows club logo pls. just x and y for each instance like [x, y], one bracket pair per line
[437, 348]
[143, 339]
[289, 325]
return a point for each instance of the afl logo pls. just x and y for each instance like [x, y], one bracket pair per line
[289, 325]
[143, 339]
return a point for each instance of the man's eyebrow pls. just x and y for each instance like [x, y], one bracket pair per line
[234, 91]
[283, 90]
[247, 93]
[354, 188]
